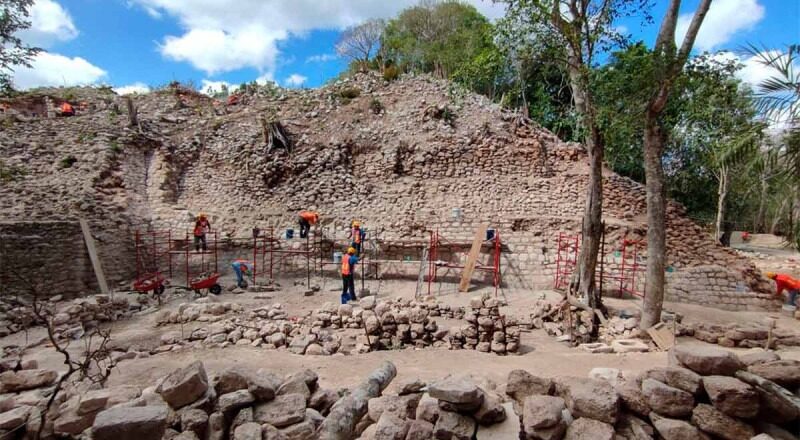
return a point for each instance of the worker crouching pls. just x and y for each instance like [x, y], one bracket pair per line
[242, 268]
[787, 283]
[348, 269]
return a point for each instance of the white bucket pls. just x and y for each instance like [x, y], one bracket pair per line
[337, 257]
[456, 214]
[788, 310]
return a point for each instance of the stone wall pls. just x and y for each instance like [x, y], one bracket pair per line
[52, 256]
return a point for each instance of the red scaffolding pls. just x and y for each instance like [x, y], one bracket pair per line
[619, 267]
[437, 242]
[206, 257]
[153, 254]
[267, 246]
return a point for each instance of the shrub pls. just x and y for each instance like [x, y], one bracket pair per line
[10, 173]
[68, 161]
[391, 73]
[115, 147]
[376, 106]
[350, 93]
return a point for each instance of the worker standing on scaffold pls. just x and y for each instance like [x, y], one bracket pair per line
[348, 269]
[306, 219]
[201, 228]
[357, 235]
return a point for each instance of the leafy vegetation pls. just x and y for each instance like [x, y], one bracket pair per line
[68, 161]
[10, 173]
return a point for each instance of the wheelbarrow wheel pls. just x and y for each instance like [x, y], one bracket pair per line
[216, 289]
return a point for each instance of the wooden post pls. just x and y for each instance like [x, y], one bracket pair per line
[472, 259]
[98, 268]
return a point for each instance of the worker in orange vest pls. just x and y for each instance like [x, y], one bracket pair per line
[348, 269]
[357, 235]
[787, 283]
[306, 219]
[201, 228]
[66, 109]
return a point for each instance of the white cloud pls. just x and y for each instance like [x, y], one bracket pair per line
[137, 87]
[265, 78]
[49, 69]
[295, 80]
[225, 35]
[321, 58]
[50, 23]
[724, 19]
[210, 87]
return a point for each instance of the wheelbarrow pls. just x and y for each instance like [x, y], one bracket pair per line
[150, 282]
[206, 281]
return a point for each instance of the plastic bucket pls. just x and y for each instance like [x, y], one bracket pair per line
[489, 234]
[456, 213]
[337, 257]
[788, 310]
[289, 234]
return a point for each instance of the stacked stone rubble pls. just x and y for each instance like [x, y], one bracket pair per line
[750, 335]
[698, 397]
[486, 329]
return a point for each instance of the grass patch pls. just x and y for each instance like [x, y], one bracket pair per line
[68, 161]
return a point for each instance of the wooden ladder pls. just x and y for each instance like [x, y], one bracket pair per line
[472, 258]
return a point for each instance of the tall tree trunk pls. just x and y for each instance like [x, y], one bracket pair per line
[760, 223]
[722, 194]
[656, 222]
[584, 283]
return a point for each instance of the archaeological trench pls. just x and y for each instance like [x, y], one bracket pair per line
[412, 159]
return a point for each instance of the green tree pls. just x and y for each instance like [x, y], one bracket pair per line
[580, 30]
[439, 38]
[13, 52]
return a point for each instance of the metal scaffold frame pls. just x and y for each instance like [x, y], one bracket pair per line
[267, 247]
[188, 253]
[158, 250]
[619, 271]
[437, 242]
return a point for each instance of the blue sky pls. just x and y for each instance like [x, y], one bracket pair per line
[135, 44]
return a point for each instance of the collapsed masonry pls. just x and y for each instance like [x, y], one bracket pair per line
[708, 393]
[400, 170]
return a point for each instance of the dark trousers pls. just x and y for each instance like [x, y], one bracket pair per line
[348, 288]
[305, 226]
[357, 247]
[198, 239]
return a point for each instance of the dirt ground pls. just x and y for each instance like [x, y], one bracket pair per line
[540, 353]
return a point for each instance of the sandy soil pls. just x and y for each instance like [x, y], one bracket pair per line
[540, 353]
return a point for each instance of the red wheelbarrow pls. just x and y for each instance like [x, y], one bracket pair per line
[150, 282]
[206, 281]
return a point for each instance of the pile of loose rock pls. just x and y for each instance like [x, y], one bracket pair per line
[486, 329]
[201, 310]
[70, 318]
[572, 324]
[746, 336]
[405, 310]
[400, 323]
[708, 393]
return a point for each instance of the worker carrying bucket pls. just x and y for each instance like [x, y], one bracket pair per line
[357, 235]
[306, 219]
[242, 268]
[348, 269]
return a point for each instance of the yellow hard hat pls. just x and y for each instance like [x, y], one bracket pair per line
[771, 275]
[202, 215]
[356, 223]
[351, 250]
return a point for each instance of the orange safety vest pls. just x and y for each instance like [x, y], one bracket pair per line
[346, 265]
[356, 235]
[309, 216]
[66, 108]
